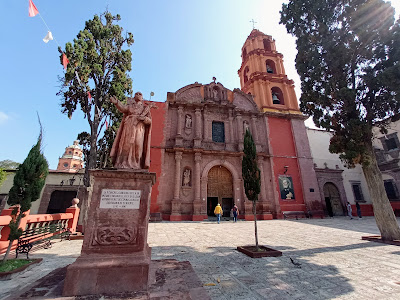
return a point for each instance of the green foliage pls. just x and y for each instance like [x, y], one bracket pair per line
[8, 164]
[28, 183]
[348, 61]
[250, 171]
[13, 264]
[3, 175]
[99, 56]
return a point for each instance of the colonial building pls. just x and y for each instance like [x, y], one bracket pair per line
[198, 161]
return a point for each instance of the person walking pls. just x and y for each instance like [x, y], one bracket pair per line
[358, 209]
[349, 210]
[235, 211]
[218, 212]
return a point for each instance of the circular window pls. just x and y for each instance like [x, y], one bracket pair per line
[65, 165]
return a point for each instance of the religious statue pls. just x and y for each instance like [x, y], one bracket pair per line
[215, 94]
[246, 126]
[188, 121]
[186, 177]
[131, 148]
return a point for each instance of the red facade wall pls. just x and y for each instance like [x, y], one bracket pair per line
[284, 154]
[157, 140]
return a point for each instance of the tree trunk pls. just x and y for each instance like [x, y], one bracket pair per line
[255, 223]
[7, 252]
[383, 211]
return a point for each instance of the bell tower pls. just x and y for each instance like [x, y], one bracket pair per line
[262, 75]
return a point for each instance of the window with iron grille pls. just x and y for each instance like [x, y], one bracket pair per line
[218, 132]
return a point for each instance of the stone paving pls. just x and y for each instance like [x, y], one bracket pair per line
[335, 262]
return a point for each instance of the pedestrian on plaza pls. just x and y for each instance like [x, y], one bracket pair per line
[358, 209]
[218, 212]
[349, 210]
[235, 212]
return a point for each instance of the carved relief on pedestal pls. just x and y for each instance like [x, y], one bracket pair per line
[115, 236]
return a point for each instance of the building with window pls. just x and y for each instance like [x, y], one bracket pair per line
[198, 157]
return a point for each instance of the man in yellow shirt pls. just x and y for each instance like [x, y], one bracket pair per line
[218, 212]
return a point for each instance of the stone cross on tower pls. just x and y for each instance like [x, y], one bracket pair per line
[252, 21]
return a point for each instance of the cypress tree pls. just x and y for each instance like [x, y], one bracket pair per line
[348, 60]
[28, 183]
[251, 175]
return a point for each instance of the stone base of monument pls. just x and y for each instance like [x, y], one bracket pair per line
[115, 256]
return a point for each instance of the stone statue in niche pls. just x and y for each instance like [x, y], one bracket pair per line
[188, 121]
[186, 178]
[246, 126]
[131, 148]
[215, 94]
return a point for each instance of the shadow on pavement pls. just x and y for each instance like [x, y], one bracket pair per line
[229, 274]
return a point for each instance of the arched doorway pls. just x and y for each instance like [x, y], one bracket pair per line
[219, 190]
[332, 200]
[60, 201]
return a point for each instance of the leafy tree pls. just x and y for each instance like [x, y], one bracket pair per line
[348, 57]
[97, 55]
[3, 175]
[28, 183]
[8, 164]
[251, 175]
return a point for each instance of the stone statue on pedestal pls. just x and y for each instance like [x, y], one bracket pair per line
[131, 148]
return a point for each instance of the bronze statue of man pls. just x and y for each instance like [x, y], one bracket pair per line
[131, 148]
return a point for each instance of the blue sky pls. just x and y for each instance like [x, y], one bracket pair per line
[177, 42]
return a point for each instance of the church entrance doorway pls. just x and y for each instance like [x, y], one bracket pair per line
[60, 201]
[219, 190]
[332, 200]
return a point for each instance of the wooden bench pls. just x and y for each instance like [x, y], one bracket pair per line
[294, 215]
[41, 234]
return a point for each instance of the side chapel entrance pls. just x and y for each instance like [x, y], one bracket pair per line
[219, 190]
[60, 201]
[332, 200]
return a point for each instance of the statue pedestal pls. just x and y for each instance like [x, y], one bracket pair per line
[115, 256]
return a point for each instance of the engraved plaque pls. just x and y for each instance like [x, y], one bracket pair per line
[120, 199]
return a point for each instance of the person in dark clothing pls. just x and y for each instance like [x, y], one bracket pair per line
[358, 209]
[235, 211]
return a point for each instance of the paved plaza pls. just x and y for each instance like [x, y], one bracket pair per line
[335, 262]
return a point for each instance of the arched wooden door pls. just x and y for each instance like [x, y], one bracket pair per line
[219, 190]
[332, 200]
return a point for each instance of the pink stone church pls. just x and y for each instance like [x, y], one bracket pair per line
[197, 144]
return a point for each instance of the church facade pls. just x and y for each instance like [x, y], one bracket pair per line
[197, 144]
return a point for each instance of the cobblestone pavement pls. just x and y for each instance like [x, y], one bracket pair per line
[335, 262]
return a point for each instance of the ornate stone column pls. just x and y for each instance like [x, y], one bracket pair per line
[197, 113]
[179, 138]
[176, 203]
[205, 126]
[197, 203]
[240, 130]
[232, 139]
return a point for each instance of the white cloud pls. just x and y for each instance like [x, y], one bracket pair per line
[3, 117]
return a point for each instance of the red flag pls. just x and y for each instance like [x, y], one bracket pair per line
[106, 124]
[32, 9]
[89, 96]
[65, 61]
